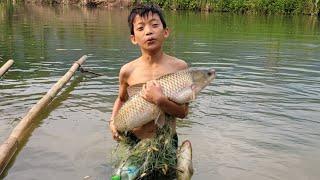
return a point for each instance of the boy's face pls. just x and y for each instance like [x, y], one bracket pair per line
[149, 33]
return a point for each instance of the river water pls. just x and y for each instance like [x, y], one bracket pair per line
[258, 120]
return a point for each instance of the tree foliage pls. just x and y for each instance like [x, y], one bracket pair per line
[256, 6]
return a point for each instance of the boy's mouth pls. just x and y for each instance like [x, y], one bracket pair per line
[150, 40]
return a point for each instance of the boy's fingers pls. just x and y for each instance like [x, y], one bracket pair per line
[156, 83]
[115, 135]
[142, 92]
[146, 87]
[148, 84]
[116, 138]
[114, 131]
[144, 96]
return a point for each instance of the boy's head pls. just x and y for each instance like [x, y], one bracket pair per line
[143, 10]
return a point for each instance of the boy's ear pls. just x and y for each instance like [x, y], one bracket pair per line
[133, 39]
[166, 32]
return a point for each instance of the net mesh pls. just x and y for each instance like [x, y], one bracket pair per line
[156, 155]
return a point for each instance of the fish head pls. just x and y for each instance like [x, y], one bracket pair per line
[201, 78]
[186, 148]
[184, 161]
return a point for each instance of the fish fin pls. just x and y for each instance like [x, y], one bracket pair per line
[191, 170]
[193, 88]
[160, 120]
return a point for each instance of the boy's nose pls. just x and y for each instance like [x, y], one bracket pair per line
[148, 30]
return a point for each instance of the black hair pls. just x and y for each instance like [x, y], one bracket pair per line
[143, 11]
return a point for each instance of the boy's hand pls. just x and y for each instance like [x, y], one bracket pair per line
[114, 131]
[152, 92]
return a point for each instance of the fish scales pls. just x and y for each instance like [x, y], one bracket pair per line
[137, 111]
[172, 83]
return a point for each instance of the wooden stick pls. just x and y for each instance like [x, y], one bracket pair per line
[10, 146]
[5, 67]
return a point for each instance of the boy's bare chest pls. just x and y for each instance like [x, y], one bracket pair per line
[142, 75]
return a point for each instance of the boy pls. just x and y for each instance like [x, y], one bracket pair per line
[148, 31]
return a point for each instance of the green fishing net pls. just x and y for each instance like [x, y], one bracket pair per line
[156, 155]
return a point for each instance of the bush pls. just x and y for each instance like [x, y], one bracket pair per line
[261, 6]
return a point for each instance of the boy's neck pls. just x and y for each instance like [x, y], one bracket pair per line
[152, 57]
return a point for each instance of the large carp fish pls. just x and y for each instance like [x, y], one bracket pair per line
[180, 87]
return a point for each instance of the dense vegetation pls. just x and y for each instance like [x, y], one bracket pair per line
[239, 6]
[253, 6]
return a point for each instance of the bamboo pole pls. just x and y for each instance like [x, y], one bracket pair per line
[5, 67]
[10, 146]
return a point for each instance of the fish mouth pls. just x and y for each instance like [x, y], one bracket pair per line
[212, 75]
[201, 81]
[186, 143]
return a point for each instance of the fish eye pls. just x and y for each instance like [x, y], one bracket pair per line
[209, 73]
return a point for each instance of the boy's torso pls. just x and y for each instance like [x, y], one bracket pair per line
[139, 72]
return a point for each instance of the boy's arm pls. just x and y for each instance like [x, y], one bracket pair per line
[121, 99]
[172, 108]
[117, 105]
[152, 92]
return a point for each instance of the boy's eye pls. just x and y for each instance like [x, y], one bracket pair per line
[140, 28]
[155, 25]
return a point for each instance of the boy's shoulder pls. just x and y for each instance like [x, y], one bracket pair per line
[179, 64]
[127, 68]
[174, 63]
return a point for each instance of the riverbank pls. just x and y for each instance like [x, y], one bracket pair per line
[87, 3]
[307, 7]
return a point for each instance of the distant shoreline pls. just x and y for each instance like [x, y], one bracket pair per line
[306, 7]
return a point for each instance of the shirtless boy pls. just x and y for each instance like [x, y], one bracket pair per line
[148, 31]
